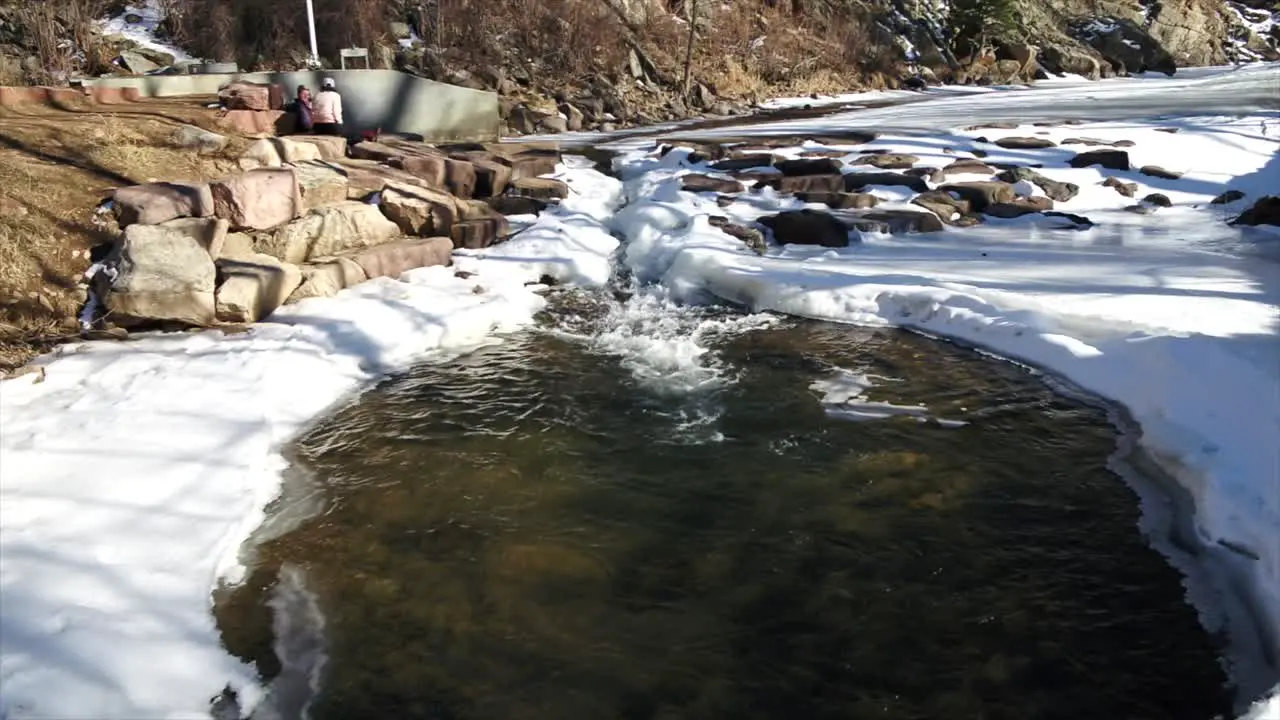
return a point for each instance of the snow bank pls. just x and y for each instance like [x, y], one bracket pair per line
[1175, 315]
[133, 472]
[143, 32]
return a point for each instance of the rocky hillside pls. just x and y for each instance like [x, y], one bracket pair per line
[614, 62]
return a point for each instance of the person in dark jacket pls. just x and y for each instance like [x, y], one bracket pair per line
[302, 108]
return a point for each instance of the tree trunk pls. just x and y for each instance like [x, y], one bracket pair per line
[688, 52]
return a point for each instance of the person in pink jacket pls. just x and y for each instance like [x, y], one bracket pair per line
[326, 109]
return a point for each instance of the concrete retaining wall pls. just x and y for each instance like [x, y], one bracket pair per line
[371, 99]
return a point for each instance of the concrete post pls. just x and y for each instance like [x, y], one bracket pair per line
[311, 25]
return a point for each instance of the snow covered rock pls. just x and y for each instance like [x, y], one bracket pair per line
[1264, 212]
[947, 207]
[807, 227]
[967, 166]
[161, 273]
[1227, 197]
[1126, 189]
[199, 139]
[1057, 191]
[154, 203]
[1025, 143]
[328, 231]
[888, 161]
[1019, 206]
[258, 199]
[394, 258]
[254, 287]
[1156, 171]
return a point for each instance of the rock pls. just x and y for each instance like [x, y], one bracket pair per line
[534, 162]
[460, 177]
[944, 205]
[751, 237]
[235, 245]
[840, 200]
[807, 227]
[328, 231]
[808, 166]
[137, 63]
[517, 204]
[321, 183]
[154, 203]
[161, 274]
[381, 152]
[1057, 191]
[258, 199]
[395, 258]
[399, 30]
[1019, 206]
[190, 137]
[1158, 200]
[1124, 188]
[744, 161]
[431, 169]
[1110, 159]
[544, 188]
[1025, 143]
[254, 286]
[703, 97]
[905, 221]
[1266, 211]
[1095, 142]
[967, 166]
[982, 194]
[523, 120]
[478, 234]
[1227, 198]
[492, 176]
[829, 182]
[420, 211]
[331, 147]
[992, 126]
[859, 180]
[1079, 221]
[888, 161]
[253, 123]
[263, 153]
[476, 210]
[574, 117]
[246, 96]
[1140, 209]
[208, 233]
[1067, 60]
[553, 124]
[327, 279]
[1158, 172]
[706, 183]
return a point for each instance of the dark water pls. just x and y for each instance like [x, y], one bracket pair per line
[528, 533]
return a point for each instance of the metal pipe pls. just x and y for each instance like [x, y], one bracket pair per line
[311, 25]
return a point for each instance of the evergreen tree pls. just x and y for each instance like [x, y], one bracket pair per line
[975, 22]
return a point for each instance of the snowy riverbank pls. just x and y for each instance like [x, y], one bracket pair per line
[132, 472]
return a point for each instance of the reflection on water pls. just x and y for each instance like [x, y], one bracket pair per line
[516, 535]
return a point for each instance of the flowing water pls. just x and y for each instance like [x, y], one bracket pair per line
[644, 511]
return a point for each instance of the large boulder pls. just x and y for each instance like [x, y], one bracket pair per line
[366, 177]
[840, 200]
[1056, 190]
[809, 166]
[326, 279]
[807, 227]
[161, 273]
[491, 175]
[331, 147]
[1062, 60]
[321, 183]
[254, 286]
[258, 199]
[517, 204]
[154, 203]
[252, 96]
[420, 211]
[534, 162]
[947, 207]
[394, 258]
[328, 231]
[1126, 45]
[209, 233]
[983, 193]
[431, 169]
[460, 177]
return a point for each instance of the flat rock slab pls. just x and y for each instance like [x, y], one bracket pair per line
[1097, 142]
[982, 194]
[322, 183]
[154, 203]
[905, 221]
[326, 279]
[888, 161]
[420, 211]
[855, 181]
[1156, 171]
[328, 231]
[967, 166]
[395, 258]
[1019, 206]
[840, 200]
[479, 234]
[697, 182]
[547, 188]
[745, 161]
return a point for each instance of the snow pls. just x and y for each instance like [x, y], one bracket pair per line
[144, 32]
[1174, 315]
[133, 473]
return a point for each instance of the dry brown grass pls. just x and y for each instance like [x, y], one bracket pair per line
[57, 166]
